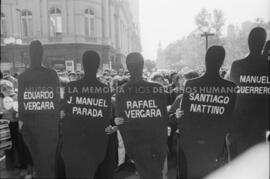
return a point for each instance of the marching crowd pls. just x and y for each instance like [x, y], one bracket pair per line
[19, 154]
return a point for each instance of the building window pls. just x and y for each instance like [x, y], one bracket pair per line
[55, 22]
[89, 22]
[3, 25]
[27, 23]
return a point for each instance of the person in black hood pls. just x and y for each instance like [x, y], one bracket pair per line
[40, 121]
[88, 113]
[251, 75]
[144, 134]
[206, 120]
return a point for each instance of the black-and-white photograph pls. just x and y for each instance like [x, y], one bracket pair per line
[135, 89]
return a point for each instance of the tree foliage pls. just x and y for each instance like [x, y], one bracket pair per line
[218, 21]
[210, 22]
[190, 50]
[203, 20]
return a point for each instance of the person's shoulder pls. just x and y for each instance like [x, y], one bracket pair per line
[228, 83]
[264, 62]
[74, 83]
[124, 88]
[98, 83]
[126, 84]
[238, 64]
[50, 71]
[104, 86]
[25, 75]
[239, 61]
[153, 84]
[194, 81]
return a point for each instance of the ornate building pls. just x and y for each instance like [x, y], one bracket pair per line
[67, 28]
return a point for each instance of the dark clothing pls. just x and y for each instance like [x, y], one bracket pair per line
[24, 154]
[40, 122]
[12, 155]
[84, 138]
[206, 121]
[143, 107]
[60, 166]
[251, 116]
[78, 165]
[181, 168]
[41, 139]
[106, 169]
[149, 160]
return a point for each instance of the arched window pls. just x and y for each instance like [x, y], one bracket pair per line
[3, 25]
[55, 22]
[27, 23]
[89, 22]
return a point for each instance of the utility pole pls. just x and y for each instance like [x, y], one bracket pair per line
[206, 35]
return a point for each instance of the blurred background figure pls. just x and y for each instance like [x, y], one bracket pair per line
[72, 76]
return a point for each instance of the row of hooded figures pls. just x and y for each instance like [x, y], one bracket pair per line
[212, 124]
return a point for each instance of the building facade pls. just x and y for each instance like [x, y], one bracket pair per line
[67, 28]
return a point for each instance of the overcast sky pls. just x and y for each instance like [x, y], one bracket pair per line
[169, 20]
